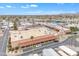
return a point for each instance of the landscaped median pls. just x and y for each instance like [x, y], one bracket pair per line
[12, 51]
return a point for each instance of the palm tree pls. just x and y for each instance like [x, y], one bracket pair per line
[32, 37]
[15, 26]
[16, 48]
[9, 40]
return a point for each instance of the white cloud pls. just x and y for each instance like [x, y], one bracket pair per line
[8, 6]
[1, 7]
[33, 5]
[27, 6]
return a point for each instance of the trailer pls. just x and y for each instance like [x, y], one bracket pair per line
[62, 53]
[49, 52]
[35, 55]
[69, 51]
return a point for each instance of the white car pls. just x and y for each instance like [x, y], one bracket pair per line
[33, 55]
[38, 45]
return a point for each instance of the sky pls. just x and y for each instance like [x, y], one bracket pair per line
[38, 8]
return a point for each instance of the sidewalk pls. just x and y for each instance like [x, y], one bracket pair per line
[63, 37]
[13, 53]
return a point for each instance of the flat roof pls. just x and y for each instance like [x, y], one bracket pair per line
[27, 34]
[49, 52]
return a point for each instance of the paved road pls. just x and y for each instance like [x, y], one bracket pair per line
[70, 41]
[3, 43]
[52, 44]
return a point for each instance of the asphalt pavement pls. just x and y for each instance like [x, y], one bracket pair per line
[69, 41]
[4, 41]
[38, 49]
